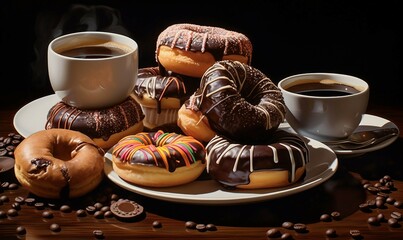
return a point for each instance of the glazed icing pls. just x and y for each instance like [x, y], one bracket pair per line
[101, 123]
[165, 150]
[152, 83]
[231, 163]
[239, 101]
[218, 41]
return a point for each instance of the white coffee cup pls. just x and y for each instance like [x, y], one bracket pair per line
[335, 115]
[101, 74]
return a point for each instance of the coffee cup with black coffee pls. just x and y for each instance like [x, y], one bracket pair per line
[324, 106]
[92, 70]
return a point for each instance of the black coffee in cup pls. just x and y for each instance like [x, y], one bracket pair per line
[93, 52]
[321, 88]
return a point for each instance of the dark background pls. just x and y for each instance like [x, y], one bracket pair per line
[361, 38]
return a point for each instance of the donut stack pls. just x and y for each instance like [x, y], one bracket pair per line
[183, 53]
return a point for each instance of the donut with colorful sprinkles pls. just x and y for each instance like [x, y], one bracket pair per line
[158, 159]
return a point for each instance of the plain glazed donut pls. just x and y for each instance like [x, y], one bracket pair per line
[190, 49]
[105, 126]
[235, 100]
[59, 163]
[160, 96]
[158, 159]
[276, 163]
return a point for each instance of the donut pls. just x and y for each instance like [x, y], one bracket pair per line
[190, 49]
[160, 96]
[235, 100]
[158, 159]
[59, 163]
[105, 126]
[278, 162]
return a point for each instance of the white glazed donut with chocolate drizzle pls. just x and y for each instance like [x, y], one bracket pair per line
[234, 100]
[276, 163]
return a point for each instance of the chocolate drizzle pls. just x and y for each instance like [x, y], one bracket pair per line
[231, 163]
[218, 41]
[100, 123]
[40, 164]
[239, 101]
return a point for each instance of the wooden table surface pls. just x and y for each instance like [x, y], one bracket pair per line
[343, 193]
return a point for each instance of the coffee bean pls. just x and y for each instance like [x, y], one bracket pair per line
[30, 201]
[98, 234]
[105, 208]
[398, 204]
[381, 217]
[273, 233]
[325, 217]
[39, 205]
[16, 206]
[47, 214]
[3, 214]
[99, 214]
[90, 209]
[373, 221]
[54, 227]
[19, 199]
[373, 189]
[288, 225]
[5, 185]
[190, 225]
[81, 213]
[286, 236]
[108, 214]
[390, 200]
[393, 222]
[335, 215]
[4, 198]
[396, 215]
[331, 232]
[21, 230]
[380, 203]
[300, 227]
[211, 227]
[201, 227]
[12, 212]
[65, 208]
[364, 207]
[371, 203]
[98, 206]
[356, 234]
[157, 224]
[12, 186]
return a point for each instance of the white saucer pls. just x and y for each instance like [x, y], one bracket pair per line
[368, 122]
[322, 165]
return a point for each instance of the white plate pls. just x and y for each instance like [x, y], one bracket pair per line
[322, 165]
[31, 118]
[368, 122]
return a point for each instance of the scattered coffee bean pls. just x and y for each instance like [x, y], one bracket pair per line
[384, 189]
[381, 217]
[371, 203]
[273, 233]
[190, 225]
[5, 185]
[201, 227]
[380, 203]
[98, 234]
[356, 234]
[81, 213]
[335, 215]
[378, 185]
[16, 206]
[19, 199]
[4, 198]
[390, 200]
[398, 204]
[30, 201]
[367, 185]
[331, 232]
[300, 227]
[54, 227]
[211, 227]
[53, 206]
[12, 186]
[373, 189]
[373, 221]
[396, 215]
[39, 205]
[98, 206]
[3, 214]
[12, 212]
[325, 217]
[286, 236]
[99, 214]
[364, 207]
[47, 214]
[157, 224]
[90, 209]
[105, 208]
[21, 230]
[108, 214]
[392, 222]
[114, 197]
[65, 208]
[288, 225]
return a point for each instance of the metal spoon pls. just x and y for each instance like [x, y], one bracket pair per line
[364, 139]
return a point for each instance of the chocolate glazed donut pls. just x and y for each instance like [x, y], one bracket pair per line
[231, 163]
[239, 101]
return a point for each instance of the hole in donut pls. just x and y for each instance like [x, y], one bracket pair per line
[63, 152]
